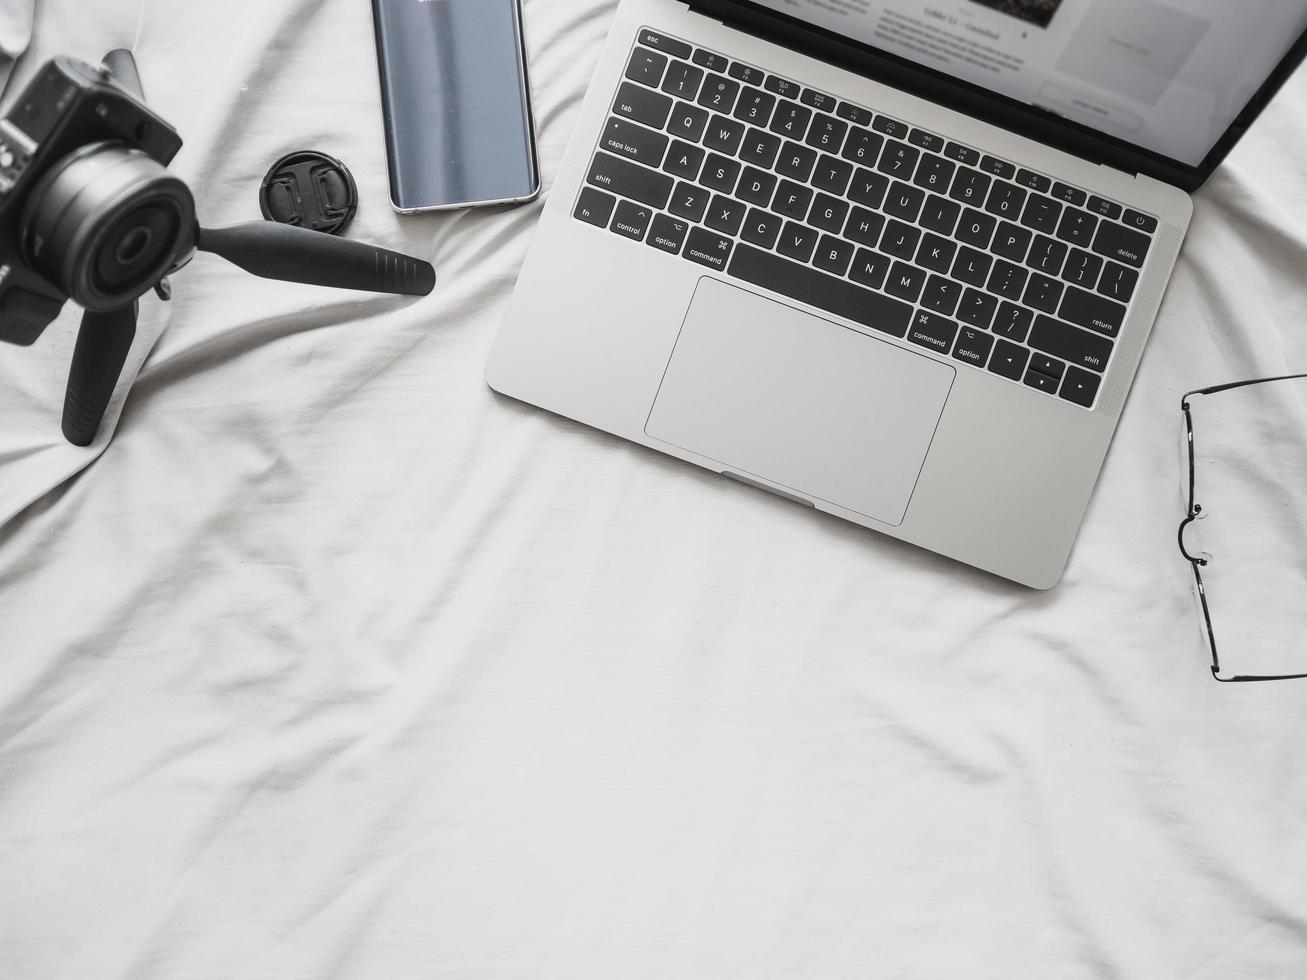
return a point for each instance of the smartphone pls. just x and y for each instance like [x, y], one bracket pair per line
[456, 103]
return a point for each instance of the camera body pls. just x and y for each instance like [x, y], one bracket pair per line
[86, 208]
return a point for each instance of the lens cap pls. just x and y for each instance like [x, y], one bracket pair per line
[309, 189]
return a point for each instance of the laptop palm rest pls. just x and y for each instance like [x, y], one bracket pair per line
[818, 409]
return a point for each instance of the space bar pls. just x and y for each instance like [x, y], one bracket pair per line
[820, 290]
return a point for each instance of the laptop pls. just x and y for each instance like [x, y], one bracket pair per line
[893, 260]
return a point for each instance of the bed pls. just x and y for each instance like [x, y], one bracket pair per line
[333, 663]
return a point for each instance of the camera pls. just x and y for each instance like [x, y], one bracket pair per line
[87, 209]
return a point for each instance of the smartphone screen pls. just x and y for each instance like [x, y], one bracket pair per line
[455, 100]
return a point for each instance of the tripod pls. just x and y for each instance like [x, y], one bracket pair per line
[262, 248]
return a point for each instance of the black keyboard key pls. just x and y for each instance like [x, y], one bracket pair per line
[1120, 243]
[1042, 293]
[868, 188]
[1077, 227]
[935, 332]
[1050, 366]
[1082, 269]
[833, 255]
[1012, 242]
[1080, 387]
[782, 87]
[864, 227]
[835, 296]
[977, 308]
[720, 174]
[665, 44]
[684, 160]
[642, 105]
[725, 214]
[1071, 344]
[754, 107]
[936, 253]
[724, 135]
[798, 241]
[1013, 322]
[796, 162]
[646, 67]
[904, 201]
[594, 207]
[1139, 221]
[827, 133]
[973, 346]
[1092, 311]
[962, 154]
[940, 214]
[708, 248]
[746, 73]
[900, 240]
[1100, 205]
[905, 281]
[970, 187]
[1007, 280]
[683, 80]
[713, 62]
[790, 120]
[891, 127]
[1005, 200]
[1041, 214]
[818, 100]
[1009, 360]
[1118, 282]
[1041, 382]
[761, 228]
[688, 122]
[975, 228]
[1047, 255]
[934, 173]
[941, 295]
[630, 180]
[792, 200]
[869, 268]
[631, 220]
[997, 167]
[757, 186]
[1070, 195]
[760, 148]
[854, 114]
[972, 267]
[862, 146]
[668, 234]
[898, 159]
[828, 213]
[628, 139]
[927, 141]
[718, 93]
[1036, 182]
[689, 201]
[832, 174]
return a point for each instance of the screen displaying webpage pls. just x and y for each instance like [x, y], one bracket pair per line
[1169, 77]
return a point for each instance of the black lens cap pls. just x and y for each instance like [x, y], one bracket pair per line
[309, 189]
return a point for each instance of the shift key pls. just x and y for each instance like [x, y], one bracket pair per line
[630, 180]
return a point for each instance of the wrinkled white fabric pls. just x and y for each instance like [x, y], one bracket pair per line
[335, 664]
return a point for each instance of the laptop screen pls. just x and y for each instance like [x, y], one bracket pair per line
[1166, 77]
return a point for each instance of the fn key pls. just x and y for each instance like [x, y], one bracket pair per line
[594, 207]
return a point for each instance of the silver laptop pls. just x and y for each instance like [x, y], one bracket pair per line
[892, 260]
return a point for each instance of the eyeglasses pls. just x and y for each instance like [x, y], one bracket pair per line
[1194, 511]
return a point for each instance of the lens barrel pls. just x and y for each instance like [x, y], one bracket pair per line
[106, 223]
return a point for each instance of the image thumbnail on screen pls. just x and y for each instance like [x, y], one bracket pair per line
[1038, 12]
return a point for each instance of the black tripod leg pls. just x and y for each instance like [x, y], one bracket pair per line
[102, 345]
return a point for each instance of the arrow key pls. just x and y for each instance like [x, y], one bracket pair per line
[1080, 386]
[1009, 360]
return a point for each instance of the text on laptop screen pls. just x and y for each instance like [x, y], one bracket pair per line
[1167, 77]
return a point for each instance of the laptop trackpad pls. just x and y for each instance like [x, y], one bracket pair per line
[820, 409]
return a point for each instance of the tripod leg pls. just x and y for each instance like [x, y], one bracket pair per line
[102, 345]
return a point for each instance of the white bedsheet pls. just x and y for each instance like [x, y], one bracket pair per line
[335, 664]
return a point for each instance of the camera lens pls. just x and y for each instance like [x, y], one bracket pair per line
[105, 223]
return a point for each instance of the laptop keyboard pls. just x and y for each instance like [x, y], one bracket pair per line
[866, 217]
